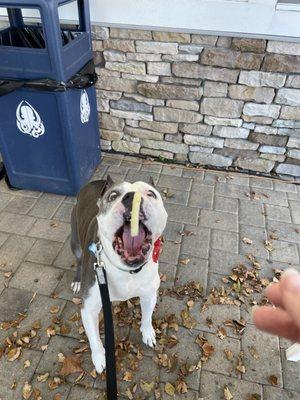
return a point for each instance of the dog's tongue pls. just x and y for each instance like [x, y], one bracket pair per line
[134, 244]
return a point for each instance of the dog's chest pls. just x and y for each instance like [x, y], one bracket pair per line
[126, 286]
[132, 286]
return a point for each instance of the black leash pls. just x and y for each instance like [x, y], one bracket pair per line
[111, 376]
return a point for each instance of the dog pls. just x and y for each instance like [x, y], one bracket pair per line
[103, 214]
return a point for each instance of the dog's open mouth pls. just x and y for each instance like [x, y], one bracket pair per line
[132, 250]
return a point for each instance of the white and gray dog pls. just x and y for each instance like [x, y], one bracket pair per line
[102, 214]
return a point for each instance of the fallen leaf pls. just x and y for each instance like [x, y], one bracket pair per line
[71, 365]
[254, 397]
[209, 322]
[129, 394]
[253, 352]
[227, 394]
[78, 379]
[265, 282]
[247, 240]
[190, 304]
[128, 376]
[76, 300]
[8, 274]
[27, 363]
[169, 389]
[57, 397]
[14, 353]
[187, 320]
[241, 369]
[269, 245]
[240, 365]
[147, 387]
[297, 230]
[273, 380]
[65, 329]
[37, 394]
[184, 261]
[50, 331]
[43, 378]
[181, 387]
[168, 194]
[44, 347]
[26, 391]
[26, 339]
[221, 333]
[54, 309]
[54, 383]
[37, 324]
[81, 330]
[274, 236]
[93, 373]
[61, 357]
[208, 349]
[81, 349]
[54, 224]
[228, 354]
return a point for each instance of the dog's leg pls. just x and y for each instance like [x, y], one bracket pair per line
[147, 306]
[77, 251]
[90, 318]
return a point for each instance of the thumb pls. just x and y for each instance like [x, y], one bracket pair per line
[290, 292]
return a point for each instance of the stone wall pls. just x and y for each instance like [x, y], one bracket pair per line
[220, 101]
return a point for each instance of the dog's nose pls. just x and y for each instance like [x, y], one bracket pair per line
[127, 203]
[127, 200]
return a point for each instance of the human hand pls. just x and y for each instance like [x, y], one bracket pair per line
[283, 319]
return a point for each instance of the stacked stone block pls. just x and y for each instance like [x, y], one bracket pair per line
[209, 100]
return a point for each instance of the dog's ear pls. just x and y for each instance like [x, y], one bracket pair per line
[151, 181]
[109, 182]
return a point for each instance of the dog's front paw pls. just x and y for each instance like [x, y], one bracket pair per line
[148, 334]
[98, 358]
[75, 286]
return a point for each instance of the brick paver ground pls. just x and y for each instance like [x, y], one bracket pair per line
[216, 222]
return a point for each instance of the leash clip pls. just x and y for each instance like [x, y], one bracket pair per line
[99, 270]
[96, 249]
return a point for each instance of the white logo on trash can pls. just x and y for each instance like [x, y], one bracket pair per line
[85, 108]
[28, 120]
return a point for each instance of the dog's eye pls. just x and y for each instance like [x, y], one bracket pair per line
[151, 194]
[112, 196]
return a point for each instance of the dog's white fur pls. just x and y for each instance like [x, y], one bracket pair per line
[122, 285]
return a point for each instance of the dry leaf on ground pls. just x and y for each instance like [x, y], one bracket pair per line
[147, 386]
[247, 240]
[71, 365]
[14, 353]
[26, 391]
[273, 380]
[227, 394]
[169, 389]
[43, 378]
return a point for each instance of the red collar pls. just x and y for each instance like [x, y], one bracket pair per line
[156, 250]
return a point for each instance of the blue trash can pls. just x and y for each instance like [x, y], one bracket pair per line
[44, 49]
[49, 134]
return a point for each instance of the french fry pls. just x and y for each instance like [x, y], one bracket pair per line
[135, 213]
